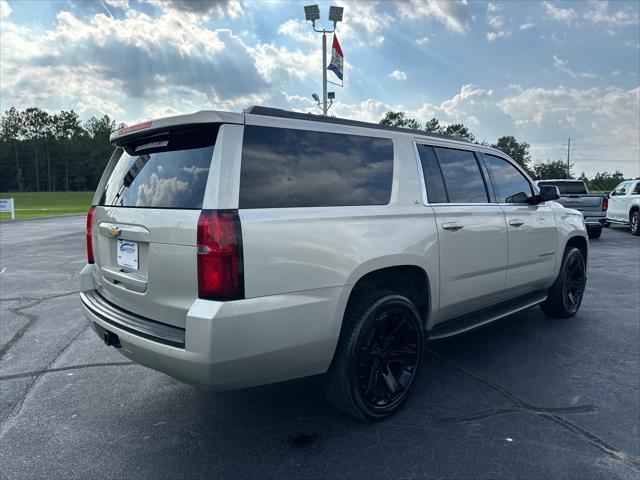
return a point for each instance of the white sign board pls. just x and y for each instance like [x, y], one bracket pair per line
[6, 205]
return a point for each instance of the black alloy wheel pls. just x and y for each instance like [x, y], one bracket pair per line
[378, 357]
[388, 357]
[574, 283]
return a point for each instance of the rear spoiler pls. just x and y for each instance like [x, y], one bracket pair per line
[125, 134]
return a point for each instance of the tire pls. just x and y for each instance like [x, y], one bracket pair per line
[594, 233]
[634, 222]
[378, 358]
[566, 293]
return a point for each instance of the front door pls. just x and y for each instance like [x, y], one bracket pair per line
[532, 232]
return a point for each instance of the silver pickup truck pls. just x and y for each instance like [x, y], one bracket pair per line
[575, 194]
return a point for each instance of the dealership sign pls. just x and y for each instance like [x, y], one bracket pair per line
[6, 205]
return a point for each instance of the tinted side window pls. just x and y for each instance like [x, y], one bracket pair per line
[509, 182]
[462, 177]
[636, 190]
[284, 167]
[436, 193]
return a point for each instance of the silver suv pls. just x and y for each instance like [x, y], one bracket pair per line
[234, 250]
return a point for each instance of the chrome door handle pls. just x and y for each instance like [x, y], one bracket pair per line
[452, 226]
[516, 222]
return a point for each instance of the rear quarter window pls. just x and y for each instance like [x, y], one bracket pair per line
[300, 168]
[169, 170]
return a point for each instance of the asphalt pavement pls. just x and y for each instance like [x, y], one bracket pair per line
[529, 397]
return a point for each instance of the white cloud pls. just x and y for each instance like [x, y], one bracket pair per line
[5, 9]
[563, 66]
[423, 40]
[200, 8]
[454, 14]
[526, 26]
[398, 75]
[600, 15]
[630, 44]
[560, 14]
[299, 31]
[493, 36]
[496, 21]
[364, 23]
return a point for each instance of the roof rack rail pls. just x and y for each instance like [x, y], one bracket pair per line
[279, 112]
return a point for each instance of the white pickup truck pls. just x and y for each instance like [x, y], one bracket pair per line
[624, 205]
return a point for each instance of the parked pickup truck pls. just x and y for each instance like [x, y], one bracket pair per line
[575, 194]
[625, 205]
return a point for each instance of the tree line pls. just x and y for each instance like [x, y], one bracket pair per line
[41, 151]
[517, 150]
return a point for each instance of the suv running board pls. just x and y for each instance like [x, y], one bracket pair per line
[485, 316]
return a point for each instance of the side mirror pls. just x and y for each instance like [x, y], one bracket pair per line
[548, 193]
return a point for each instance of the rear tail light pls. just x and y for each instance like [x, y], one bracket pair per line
[605, 204]
[90, 258]
[220, 269]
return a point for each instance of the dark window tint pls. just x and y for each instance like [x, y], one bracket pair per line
[165, 171]
[462, 176]
[636, 190]
[576, 188]
[510, 185]
[300, 168]
[436, 192]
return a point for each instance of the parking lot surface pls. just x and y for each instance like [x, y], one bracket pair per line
[528, 397]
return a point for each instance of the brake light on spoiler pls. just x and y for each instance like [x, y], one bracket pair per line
[133, 128]
[220, 265]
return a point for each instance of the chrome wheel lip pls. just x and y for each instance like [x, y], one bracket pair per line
[386, 366]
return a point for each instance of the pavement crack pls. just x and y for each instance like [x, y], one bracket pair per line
[549, 414]
[62, 369]
[6, 424]
[31, 318]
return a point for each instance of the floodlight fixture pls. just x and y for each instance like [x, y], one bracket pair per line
[335, 14]
[312, 13]
[316, 97]
[331, 95]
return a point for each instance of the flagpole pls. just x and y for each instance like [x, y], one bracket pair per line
[324, 73]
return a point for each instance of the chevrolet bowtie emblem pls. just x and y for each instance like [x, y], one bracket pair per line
[114, 231]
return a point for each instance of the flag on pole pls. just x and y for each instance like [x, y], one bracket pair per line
[337, 59]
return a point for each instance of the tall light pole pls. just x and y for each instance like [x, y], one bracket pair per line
[312, 13]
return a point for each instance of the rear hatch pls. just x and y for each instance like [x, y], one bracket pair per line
[145, 224]
[575, 195]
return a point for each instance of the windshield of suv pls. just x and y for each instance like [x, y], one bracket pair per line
[164, 171]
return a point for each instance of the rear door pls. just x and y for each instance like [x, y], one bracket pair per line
[532, 228]
[145, 222]
[472, 233]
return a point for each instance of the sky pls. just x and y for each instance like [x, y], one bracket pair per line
[542, 71]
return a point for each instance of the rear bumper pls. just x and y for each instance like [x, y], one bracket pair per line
[594, 219]
[230, 345]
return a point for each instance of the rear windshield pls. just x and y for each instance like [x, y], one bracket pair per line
[167, 170]
[569, 188]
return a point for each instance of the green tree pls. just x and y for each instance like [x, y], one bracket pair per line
[605, 181]
[400, 119]
[548, 170]
[459, 130]
[519, 151]
[433, 125]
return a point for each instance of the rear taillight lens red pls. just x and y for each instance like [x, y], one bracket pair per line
[90, 258]
[220, 269]
[605, 204]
